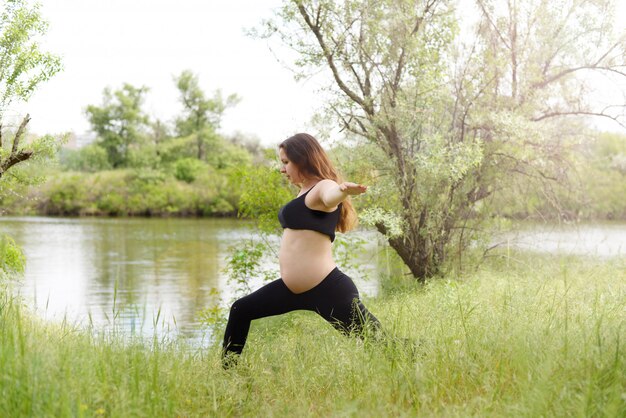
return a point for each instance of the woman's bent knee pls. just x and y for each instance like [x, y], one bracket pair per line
[239, 307]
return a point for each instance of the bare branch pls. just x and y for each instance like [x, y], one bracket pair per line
[567, 71]
[579, 113]
[615, 45]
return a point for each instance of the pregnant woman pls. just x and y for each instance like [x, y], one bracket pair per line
[310, 279]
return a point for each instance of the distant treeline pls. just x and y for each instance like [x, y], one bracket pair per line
[82, 183]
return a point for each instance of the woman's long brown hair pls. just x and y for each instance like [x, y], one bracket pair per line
[308, 155]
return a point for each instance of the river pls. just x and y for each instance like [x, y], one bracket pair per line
[139, 275]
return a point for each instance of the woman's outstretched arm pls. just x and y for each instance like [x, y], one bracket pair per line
[332, 194]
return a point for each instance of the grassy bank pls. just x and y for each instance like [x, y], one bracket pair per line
[523, 336]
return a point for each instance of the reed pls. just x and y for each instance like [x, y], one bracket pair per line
[524, 336]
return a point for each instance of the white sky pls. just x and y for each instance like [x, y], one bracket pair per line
[146, 42]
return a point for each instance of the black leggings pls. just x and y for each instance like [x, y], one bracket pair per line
[335, 298]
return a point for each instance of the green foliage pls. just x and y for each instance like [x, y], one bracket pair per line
[200, 111]
[201, 115]
[390, 221]
[24, 65]
[608, 152]
[224, 154]
[221, 154]
[263, 193]
[18, 188]
[188, 169]
[28, 172]
[248, 260]
[177, 148]
[119, 122]
[144, 192]
[90, 158]
[215, 316]
[145, 155]
[66, 195]
[12, 259]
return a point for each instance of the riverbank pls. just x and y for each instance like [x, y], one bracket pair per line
[128, 192]
[523, 336]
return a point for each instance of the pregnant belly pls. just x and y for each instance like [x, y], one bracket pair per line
[305, 259]
[302, 283]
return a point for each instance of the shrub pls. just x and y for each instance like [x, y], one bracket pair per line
[66, 195]
[188, 169]
[12, 259]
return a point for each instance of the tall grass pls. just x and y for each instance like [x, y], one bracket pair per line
[539, 336]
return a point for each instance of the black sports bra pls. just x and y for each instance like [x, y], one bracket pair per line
[296, 215]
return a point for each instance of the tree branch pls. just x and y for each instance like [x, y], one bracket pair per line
[567, 71]
[16, 155]
[19, 133]
[315, 28]
[578, 113]
[486, 14]
[14, 159]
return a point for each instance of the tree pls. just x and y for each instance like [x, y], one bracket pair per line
[23, 66]
[201, 115]
[523, 88]
[451, 118]
[120, 121]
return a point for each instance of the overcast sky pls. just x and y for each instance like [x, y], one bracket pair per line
[146, 42]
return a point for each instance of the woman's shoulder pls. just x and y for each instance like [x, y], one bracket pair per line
[323, 183]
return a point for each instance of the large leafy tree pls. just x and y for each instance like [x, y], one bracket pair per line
[120, 122]
[202, 115]
[23, 66]
[451, 118]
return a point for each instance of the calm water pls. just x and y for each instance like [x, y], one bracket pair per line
[597, 240]
[148, 274]
[157, 274]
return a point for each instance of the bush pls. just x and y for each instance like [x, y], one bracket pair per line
[12, 259]
[188, 169]
[66, 194]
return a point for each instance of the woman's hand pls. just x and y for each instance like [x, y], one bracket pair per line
[352, 188]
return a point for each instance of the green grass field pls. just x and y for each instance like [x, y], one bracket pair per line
[526, 336]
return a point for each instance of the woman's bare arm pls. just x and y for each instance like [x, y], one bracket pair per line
[332, 194]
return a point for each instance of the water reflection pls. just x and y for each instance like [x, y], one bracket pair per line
[131, 269]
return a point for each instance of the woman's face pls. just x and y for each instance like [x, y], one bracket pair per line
[289, 169]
